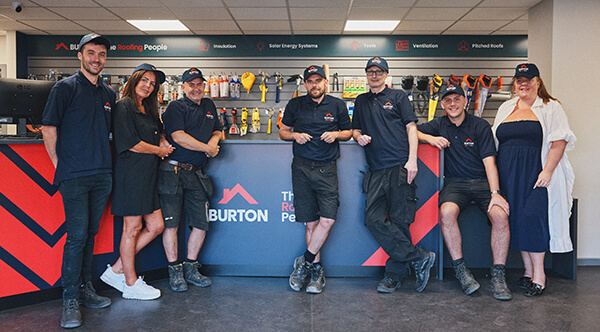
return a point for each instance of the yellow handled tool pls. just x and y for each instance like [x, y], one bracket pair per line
[244, 128]
[255, 121]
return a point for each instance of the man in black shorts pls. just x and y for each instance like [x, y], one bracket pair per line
[470, 175]
[192, 126]
[318, 121]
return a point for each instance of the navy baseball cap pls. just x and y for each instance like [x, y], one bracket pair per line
[312, 70]
[160, 76]
[379, 62]
[96, 38]
[528, 70]
[191, 74]
[451, 88]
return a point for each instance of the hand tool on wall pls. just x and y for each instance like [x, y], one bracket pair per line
[434, 95]
[336, 82]
[408, 86]
[453, 80]
[298, 78]
[278, 86]
[420, 99]
[468, 85]
[485, 83]
[247, 81]
[255, 121]
[244, 128]
[234, 129]
[263, 85]
[224, 125]
[270, 112]
[280, 117]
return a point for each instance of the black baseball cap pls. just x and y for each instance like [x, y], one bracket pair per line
[191, 74]
[160, 76]
[379, 62]
[312, 70]
[451, 88]
[96, 38]
[528, 70]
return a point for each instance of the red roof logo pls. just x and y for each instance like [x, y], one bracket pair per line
[237, 189]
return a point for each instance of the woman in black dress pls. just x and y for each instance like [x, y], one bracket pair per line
[139, 144]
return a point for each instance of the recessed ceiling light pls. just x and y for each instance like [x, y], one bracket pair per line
[371, 25]
[158, 25]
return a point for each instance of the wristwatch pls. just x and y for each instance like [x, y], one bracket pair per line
[495, 192]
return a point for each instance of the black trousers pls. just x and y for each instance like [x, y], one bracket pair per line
[389, 210]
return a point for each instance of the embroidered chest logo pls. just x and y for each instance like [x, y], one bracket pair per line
[107, 107]
[328, 117]
[469, 143]
[388, 106]
[209, 115]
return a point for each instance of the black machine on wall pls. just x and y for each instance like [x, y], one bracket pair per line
[22, 102]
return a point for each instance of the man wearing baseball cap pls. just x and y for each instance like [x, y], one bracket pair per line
[192, 126]
[385, 125]
[77, 124]
[315, 123]
[470, 174]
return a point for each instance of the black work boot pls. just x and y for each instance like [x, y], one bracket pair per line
[71, 316]
[422, 268]
[176, 280]
[193, 276]
[498, 283]
[467, 281]
[89, 298]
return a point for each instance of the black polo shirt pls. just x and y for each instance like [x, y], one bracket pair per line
[384, 117]
[306, 116]
[470, 143]
[198, 121]
[81, 112]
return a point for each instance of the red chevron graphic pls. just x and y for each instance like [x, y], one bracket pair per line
[14, 282]
[429, 155]
[229, 194]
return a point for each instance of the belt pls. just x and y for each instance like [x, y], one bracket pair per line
[188, 167]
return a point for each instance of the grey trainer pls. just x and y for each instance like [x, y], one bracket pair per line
[467, 281]
[301, 271]
[89, 298]
[193, 276]
[71, 316]
[388, 285]
[176, 281]
[498, 284]
[317, 280]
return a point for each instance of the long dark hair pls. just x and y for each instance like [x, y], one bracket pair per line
[150, 102]
[542, 91]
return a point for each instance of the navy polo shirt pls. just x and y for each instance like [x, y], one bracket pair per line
[384, 117]
[198, 121]
[81, 112]
[306, 116]
[470, 143]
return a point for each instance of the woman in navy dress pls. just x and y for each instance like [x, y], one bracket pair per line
[139, 144]
[532, 134]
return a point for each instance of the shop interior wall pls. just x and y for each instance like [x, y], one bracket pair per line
[345, 67]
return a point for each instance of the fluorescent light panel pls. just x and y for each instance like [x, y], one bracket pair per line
[360, 25]
[158, 25]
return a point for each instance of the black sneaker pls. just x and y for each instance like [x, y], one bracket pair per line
[71, 316]
[89, 298]
[193, 276]
[317, 280]
[176, 280]
[498, 284]
[468, 283]
[300, 273]
[422, 268]
[388, 285]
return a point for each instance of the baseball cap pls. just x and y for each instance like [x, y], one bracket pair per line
[312, 70]
[191, 74]
[96, 38]
[451, 88]
[528, 70]
[160, 76]
[379, 62]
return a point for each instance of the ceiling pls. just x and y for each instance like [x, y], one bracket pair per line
[255, 17]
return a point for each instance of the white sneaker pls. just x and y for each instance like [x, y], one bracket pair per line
[115, 280]
[140, 291]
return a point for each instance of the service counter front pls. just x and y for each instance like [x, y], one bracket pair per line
[252, 231]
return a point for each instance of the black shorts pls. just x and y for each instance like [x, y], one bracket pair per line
[315, 185]
[462, 192]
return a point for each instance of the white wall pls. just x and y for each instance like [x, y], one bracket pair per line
[575, 43]
[8, 53]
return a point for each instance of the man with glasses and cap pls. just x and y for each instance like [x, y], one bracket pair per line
[470, 174]
[192, 126]
[77, 124]
[385, 125]
[315, 123]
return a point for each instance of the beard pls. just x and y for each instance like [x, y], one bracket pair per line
[316, 93]
[88, 67]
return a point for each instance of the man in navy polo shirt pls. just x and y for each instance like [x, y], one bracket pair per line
[319, 122]
[470, 174]
[192, 126]
[77, 123]
[385, 125]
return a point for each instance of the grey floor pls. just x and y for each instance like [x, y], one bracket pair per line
[347, 304]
